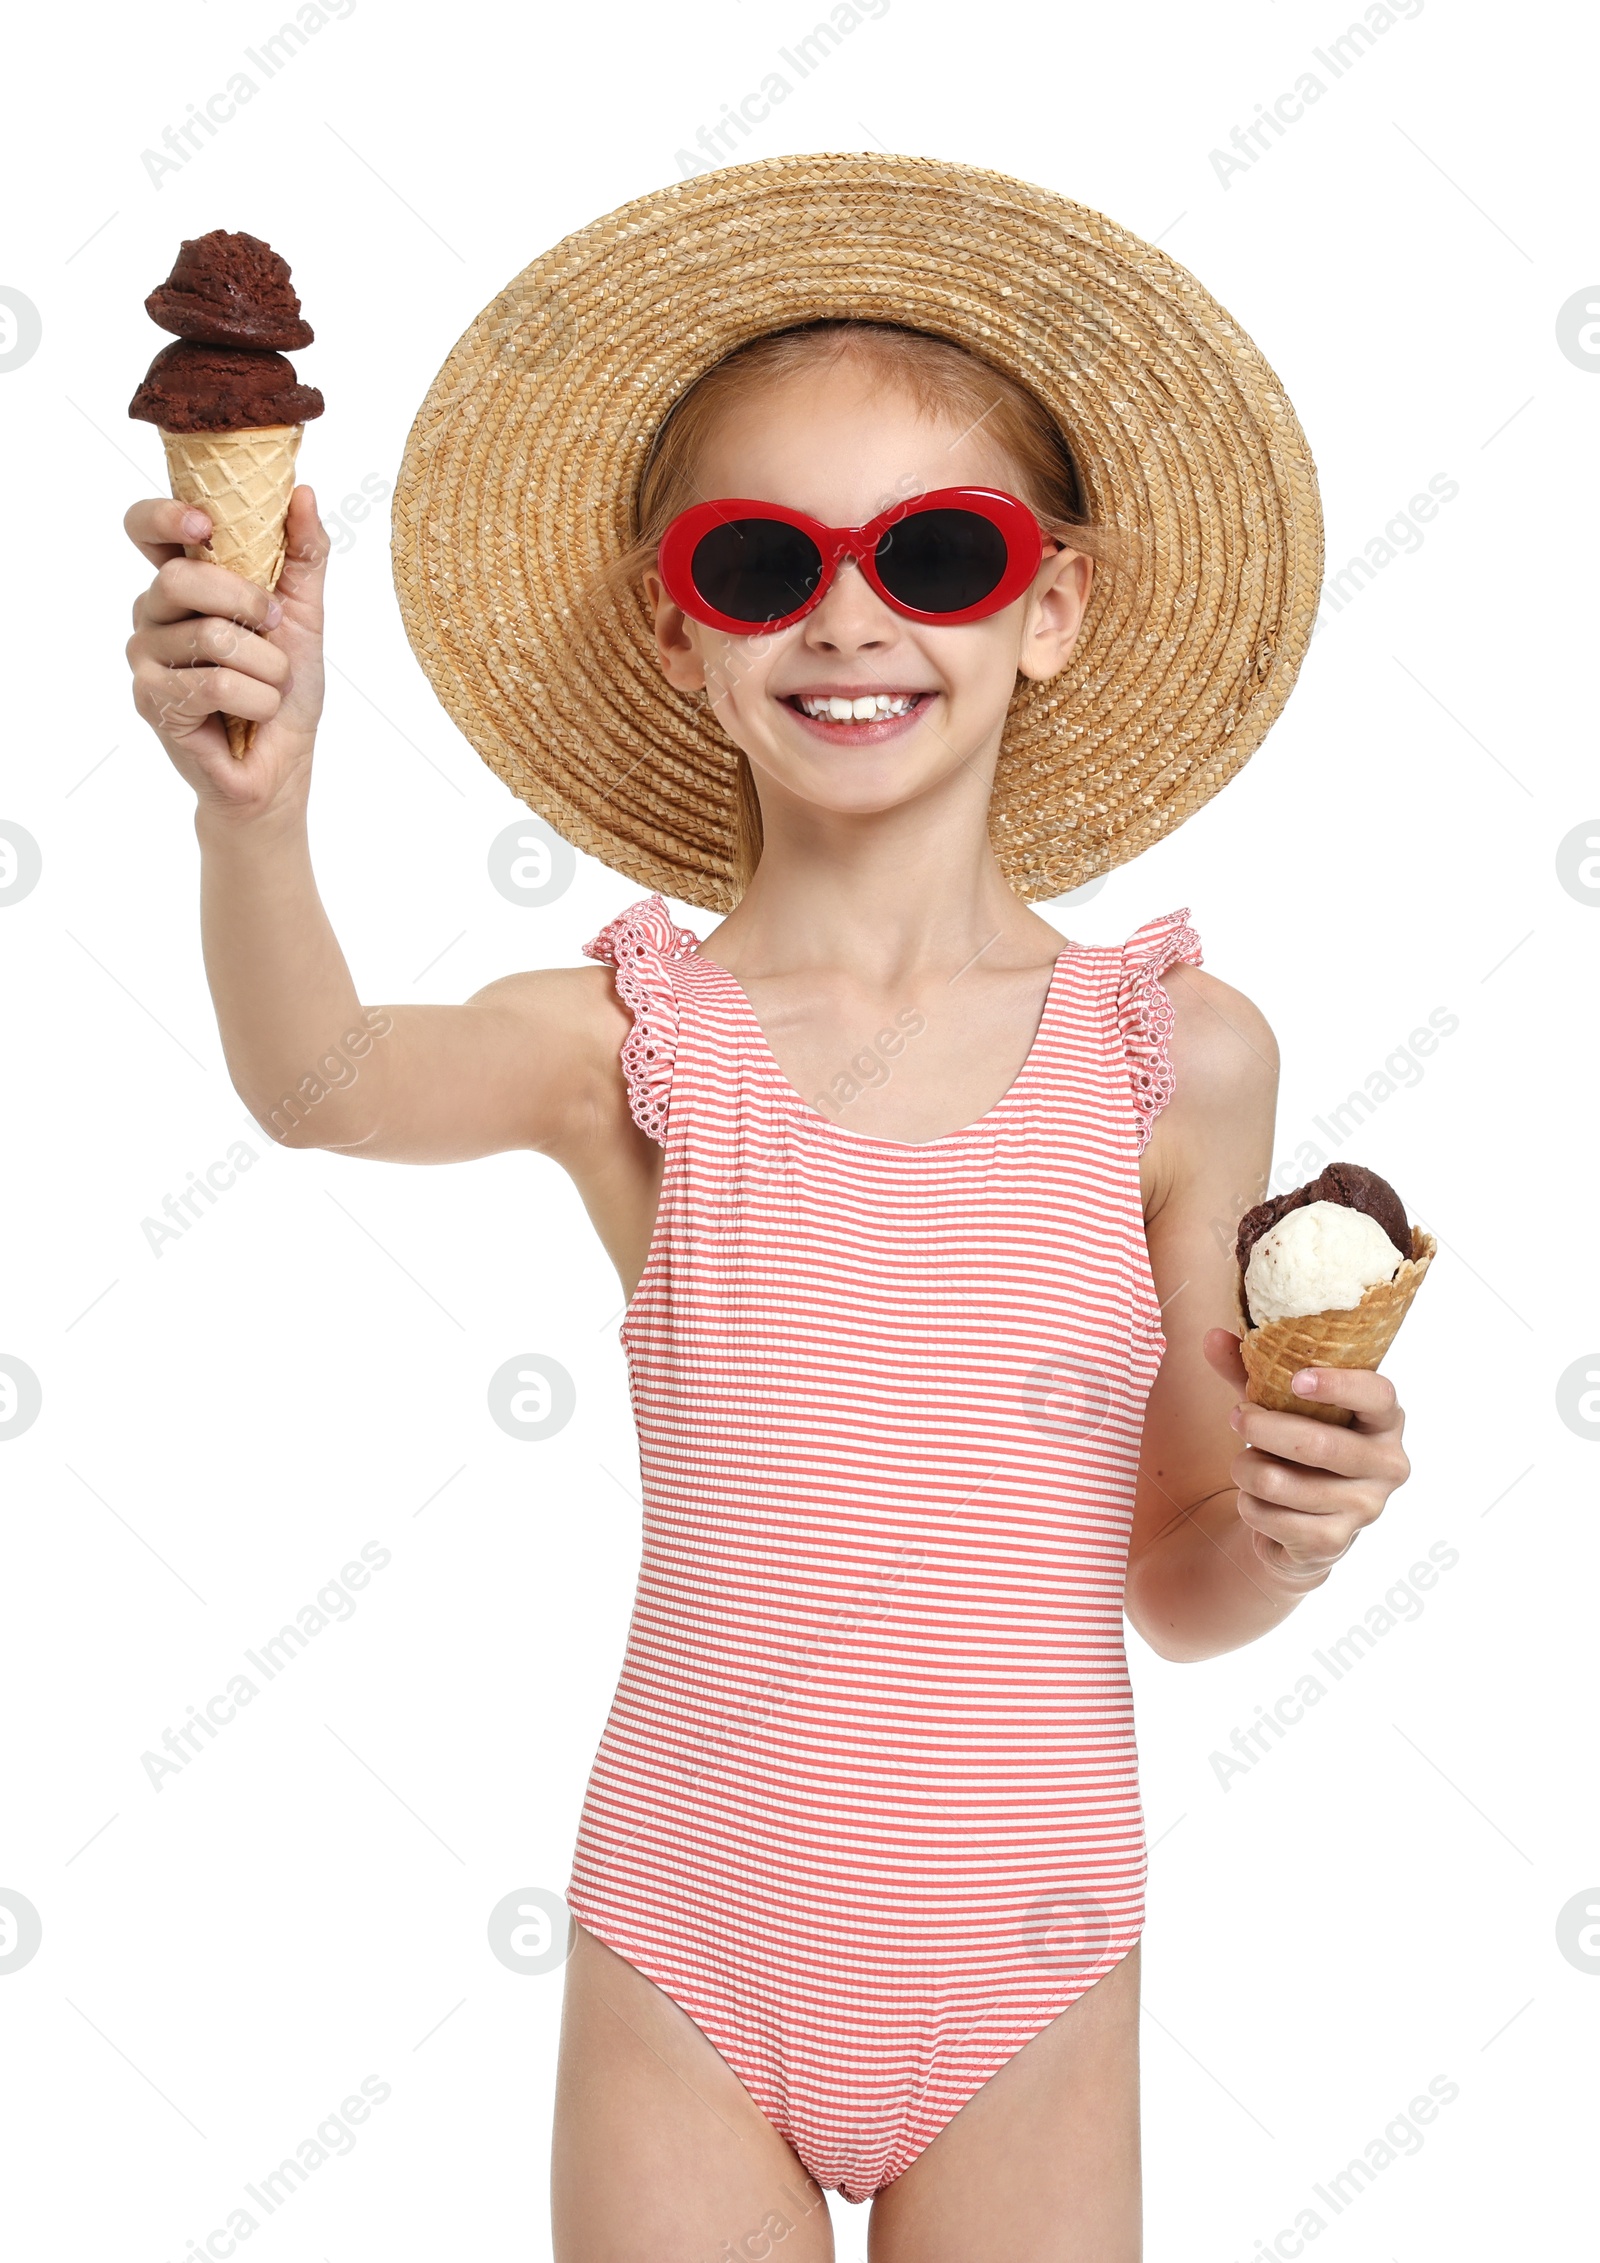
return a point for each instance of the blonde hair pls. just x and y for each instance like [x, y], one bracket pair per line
[939, 377]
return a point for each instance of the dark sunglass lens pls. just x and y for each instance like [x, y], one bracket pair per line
[756, 569]
[942, 561]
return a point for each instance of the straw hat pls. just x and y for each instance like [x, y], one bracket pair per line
[521, 472]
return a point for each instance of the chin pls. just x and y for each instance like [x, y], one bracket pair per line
[867, 789]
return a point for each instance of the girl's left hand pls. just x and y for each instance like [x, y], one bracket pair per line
[1306, 1488]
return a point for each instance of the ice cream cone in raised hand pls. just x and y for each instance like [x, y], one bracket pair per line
[243, 480]
[228, 406]
[1325, 1277]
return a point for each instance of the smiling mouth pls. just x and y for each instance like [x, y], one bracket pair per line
[865, 707]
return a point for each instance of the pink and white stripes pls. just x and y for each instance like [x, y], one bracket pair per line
[866, 1805]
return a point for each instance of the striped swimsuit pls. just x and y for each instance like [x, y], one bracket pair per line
[866, 1805]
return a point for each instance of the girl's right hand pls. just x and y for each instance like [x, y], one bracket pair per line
[206, 643]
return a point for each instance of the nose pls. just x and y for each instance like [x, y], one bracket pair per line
[852, 617]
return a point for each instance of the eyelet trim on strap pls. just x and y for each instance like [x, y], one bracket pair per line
[640, 943]
[1144, 1011]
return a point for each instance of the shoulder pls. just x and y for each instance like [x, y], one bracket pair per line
[591, 1012]
[1215, 1138]
[614, 1027]
[580, 1001]
[1191, 1040]
[564, 1029]
[1221, 1041]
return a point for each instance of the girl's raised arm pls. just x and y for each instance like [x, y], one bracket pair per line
[531, 1061]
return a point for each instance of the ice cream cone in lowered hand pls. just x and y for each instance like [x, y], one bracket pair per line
[1358, 1337]
[243, 480]
[1325, 1276]
[228, 406]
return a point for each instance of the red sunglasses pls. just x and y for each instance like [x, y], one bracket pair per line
[957, 554]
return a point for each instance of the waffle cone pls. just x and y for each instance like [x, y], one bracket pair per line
[1357, 1338]
[244, 480]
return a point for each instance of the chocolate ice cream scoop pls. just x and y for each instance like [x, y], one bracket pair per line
[1348, 1183]
[229, 290]
[190, 388]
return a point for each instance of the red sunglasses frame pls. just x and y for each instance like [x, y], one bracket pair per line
[1024, 541]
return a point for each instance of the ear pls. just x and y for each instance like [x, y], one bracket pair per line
[1056, 606]
[677, 639]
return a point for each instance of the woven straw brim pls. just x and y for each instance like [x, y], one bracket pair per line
[521, 474]
[1359, 1337]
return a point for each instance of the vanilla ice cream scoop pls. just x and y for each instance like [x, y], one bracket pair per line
[1322, 1257]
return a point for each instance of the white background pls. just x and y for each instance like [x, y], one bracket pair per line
[1374, 1903]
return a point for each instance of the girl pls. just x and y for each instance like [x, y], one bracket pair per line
[931, 1322]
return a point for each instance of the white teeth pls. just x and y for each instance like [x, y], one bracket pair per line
[870, 708]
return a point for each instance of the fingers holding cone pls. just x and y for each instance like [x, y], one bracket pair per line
[243, 481]
[306, 549]
[292, 599]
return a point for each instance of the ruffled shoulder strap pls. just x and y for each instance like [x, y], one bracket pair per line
[1144, 1011]
[641, 944]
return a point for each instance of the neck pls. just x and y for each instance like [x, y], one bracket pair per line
[888, 893]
